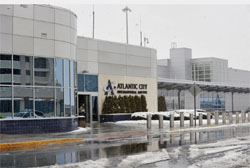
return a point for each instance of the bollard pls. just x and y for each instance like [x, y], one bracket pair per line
[191, 116]
[181, 119]
[161, 139]
[149, 124]
[200, 119]
[216, 118]
[171, 120]
[208, 118]
[224, 118]
[243, 117]
[237, 118]
[248, 116]
[161, 121]
[230, 118]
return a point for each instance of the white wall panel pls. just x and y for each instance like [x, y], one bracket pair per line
[6, 24]
[44, 47]
[112, 69]
[44, 13]
[72, 51]
[73, 36]
[138, 61]
[82, 54]
[23, 45]
[62, 33]
[111, 47]
[73, 21]
[138, 51]
[25, 11]
[42, 28]
[6, 9]
[82, 43]
[138, 71]
[82, 66]
[5, 43]
[22, 26]
[62, 49]
[62, 17]
[92, 67]
[113, 58]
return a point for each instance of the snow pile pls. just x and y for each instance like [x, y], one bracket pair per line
[144, 158]
[80, 130]
[222, 154]
[100, 163]
[166, 114]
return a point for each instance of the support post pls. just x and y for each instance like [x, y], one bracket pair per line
[230, 118]
[243, 117]
[248, 116]
[161, 121]
[208, 118]
[200, 119]
[149, 124]
[237, 118]
[232, 101]
[179, 99]
[191, 117]
[181, 119]
[171, 120]
[224, 118]
[216, 118]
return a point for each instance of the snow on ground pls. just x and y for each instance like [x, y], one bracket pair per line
[80, 130]
[144, 158]
[222, 154]
[176, 113]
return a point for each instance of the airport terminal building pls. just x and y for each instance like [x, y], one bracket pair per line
[47, 72]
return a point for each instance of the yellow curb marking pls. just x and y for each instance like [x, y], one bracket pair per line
[34, 144]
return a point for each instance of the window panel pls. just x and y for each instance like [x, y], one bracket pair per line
[91, 83]
[22, 74]
[44, 71]
[5, 102]
[44, 101]
[66, 73]
[23, 103]
[5, 69]
[67, 102]
[59, 72]
[80, 78]
[59, 102]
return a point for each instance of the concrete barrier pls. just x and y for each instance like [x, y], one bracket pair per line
[171, 121]
[237, 118]
[243, 117]
[248, 116]
[200, 119]
[230, 118]
[216, 115]
[161, 121]
[191, 117]
[208, 118]
[224, 118]
[149, 123]
[181, 119]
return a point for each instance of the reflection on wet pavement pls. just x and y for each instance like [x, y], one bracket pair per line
[114, 147]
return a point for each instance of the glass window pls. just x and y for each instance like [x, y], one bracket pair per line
[72, 74]
[67, 102]
[59, 102]
[5, 69]
[80, 82]
[44, 101]
[23, 102]
[73, 105]
[95, 108]
[75, 66]
[5, 102]
[22, 73]
[91, 83]
[44, 71]
[66, 73]
[59, 72]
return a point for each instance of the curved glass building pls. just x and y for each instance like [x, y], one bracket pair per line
[38, 85]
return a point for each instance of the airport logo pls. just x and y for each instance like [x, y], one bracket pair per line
[109, 88]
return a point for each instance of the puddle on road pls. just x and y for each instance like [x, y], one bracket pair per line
[37, 158]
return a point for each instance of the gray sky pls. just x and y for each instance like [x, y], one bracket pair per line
[221, 31]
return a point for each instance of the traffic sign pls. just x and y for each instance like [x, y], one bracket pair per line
[195, 90]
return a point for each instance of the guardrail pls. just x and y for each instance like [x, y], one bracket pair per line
[225, 118]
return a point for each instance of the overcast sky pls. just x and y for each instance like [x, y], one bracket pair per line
[221, 31]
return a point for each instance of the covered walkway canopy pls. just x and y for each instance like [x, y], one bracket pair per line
[178, 84]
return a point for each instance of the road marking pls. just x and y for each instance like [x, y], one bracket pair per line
[4, 147]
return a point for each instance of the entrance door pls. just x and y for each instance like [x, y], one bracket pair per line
[90, 106]
[85, 99]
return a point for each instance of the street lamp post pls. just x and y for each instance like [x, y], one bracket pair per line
[126, 10]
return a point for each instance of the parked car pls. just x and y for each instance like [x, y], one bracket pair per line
[27, 113]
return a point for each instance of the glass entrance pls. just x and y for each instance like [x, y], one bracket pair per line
[88, 107]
